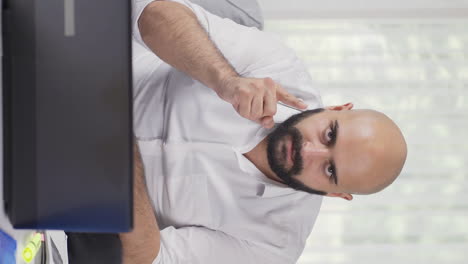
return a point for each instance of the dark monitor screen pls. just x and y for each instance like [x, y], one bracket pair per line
[67, 114]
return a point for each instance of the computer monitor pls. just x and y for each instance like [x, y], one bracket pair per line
[67, 114]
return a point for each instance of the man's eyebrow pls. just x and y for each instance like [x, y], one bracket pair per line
[332, 144]
[335, 175]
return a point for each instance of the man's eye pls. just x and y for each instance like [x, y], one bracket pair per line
[329, 134]
[330, 171]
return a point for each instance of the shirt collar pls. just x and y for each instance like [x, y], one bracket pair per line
[266, 187]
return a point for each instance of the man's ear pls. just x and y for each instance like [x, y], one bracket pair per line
[347, 106]
[345, 196]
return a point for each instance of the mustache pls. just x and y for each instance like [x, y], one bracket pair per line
[274, 154]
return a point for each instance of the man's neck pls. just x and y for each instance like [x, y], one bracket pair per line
[258, 156]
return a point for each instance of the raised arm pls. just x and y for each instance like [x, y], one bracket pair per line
[172, 31]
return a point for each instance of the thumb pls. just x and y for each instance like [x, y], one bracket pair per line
[267, 122]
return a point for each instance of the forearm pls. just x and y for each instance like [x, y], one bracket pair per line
[174, 34]
[141, 246]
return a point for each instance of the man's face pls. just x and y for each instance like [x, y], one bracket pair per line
[329, 151]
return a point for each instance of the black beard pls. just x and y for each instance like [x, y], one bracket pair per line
[277, 156]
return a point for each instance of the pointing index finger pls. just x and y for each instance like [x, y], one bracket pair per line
[289, 99]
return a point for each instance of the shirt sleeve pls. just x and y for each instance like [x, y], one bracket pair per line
[137, 8]
[199, 245]
[246, 48]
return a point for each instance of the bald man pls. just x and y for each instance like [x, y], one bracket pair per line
[218, 181]
[335, 152]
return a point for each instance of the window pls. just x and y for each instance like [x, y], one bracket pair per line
[415, 71]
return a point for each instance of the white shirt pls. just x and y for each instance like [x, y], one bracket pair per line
[212, 204]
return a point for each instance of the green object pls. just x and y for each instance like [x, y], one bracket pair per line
[34, 244]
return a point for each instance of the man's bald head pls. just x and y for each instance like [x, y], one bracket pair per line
[337, 151]
[379, 149]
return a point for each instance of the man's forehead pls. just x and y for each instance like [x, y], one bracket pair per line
[354, 154]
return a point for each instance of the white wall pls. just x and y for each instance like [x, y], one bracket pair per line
[299, 9]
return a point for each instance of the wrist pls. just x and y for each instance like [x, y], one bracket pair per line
[226, 85]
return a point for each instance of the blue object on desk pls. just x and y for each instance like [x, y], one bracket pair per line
[7, 249]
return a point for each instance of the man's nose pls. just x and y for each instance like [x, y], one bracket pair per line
[311, 151]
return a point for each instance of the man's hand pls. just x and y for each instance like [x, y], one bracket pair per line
[255, 99]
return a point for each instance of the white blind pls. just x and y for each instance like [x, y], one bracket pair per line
[277, 9]
[415, 71]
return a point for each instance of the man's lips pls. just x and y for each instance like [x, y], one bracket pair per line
[290, 151]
